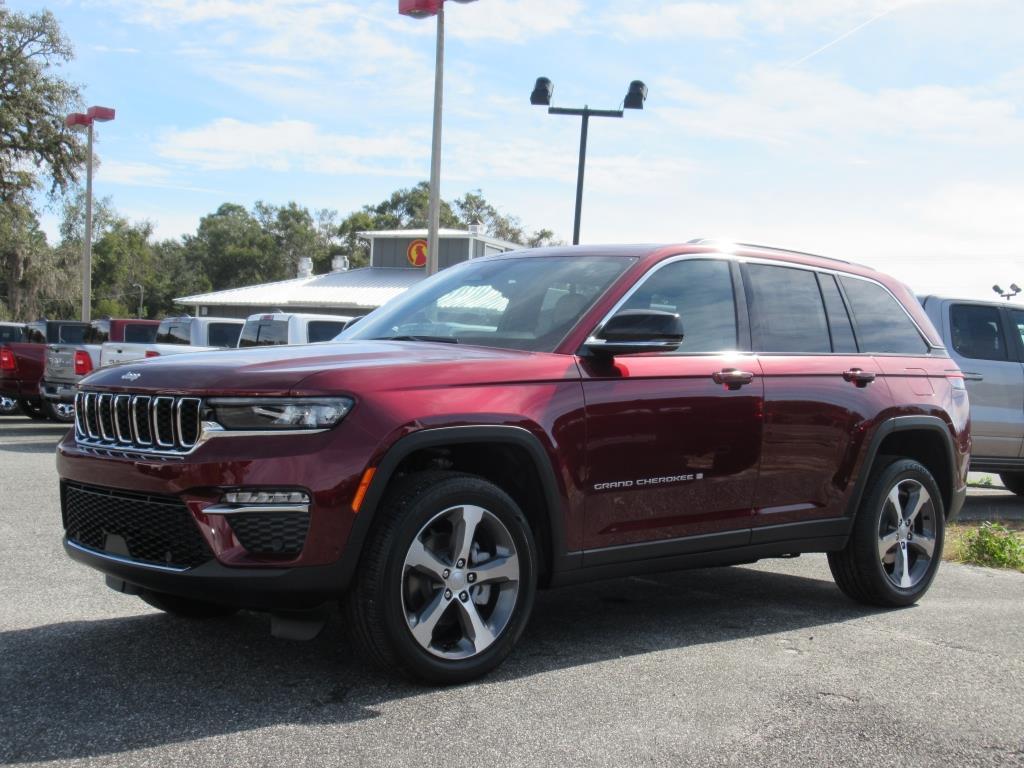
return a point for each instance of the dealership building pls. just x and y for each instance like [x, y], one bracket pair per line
[397, 262]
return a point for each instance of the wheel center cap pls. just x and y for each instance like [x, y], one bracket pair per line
[457, 580]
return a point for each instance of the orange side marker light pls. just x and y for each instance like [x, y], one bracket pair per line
[364, 486]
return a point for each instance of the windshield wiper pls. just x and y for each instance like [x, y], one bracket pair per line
[442, 339]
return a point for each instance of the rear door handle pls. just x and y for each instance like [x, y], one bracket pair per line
[732, 378]
[859, 377]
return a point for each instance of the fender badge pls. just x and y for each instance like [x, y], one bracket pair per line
[131, 376]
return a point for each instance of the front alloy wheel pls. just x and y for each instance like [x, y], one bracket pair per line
[460, 582]
[446, 582]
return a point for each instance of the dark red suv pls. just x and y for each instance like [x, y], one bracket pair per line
[526, 420]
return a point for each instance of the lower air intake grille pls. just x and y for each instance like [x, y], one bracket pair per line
[271, 533]
[151, 529]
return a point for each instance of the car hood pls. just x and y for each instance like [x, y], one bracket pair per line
[326, 368]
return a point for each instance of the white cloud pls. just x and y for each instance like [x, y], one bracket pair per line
[512, 20]
[677, 20]
[133, 173]
[786, 107]
[285, 145]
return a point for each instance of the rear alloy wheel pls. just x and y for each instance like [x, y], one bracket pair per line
[896, 545]
[446, 582]
[1013, 481]
[8, 406]
[64, 413]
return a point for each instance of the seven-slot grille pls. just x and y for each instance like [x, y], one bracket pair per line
[137, 423]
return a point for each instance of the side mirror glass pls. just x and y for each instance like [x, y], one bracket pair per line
[633, 331]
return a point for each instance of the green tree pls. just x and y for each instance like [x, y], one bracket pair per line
[233, 249]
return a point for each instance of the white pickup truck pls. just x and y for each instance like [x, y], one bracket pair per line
[266, 330]
[175, 336]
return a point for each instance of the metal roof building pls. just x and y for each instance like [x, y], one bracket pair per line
[396, 264]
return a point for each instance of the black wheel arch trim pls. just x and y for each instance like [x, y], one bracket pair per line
[438, 436]
[906, 424]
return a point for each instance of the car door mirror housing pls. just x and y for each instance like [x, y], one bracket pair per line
[633, 331]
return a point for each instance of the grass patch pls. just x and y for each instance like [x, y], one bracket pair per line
[985, 481]
[993, 545]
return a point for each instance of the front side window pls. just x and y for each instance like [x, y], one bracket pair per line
[883, 325]
[977, 332]
[786, 310]
[526, 303]
[700, 291]
[11, 333]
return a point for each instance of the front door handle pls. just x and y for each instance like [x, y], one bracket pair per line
[859, 377]
[732, 378]
[968, 376]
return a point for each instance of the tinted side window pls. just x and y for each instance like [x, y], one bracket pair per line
[324, 330]
[1018, 321]
[977, 332]
[71, 334]
[882, 323]
[139, 334]
[700, 292]
[224, 334]
[174, 333]
[786, 310]
[838, 318]
[98, 332]
[11, 333]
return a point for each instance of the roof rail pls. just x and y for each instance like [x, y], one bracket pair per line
[711, 241]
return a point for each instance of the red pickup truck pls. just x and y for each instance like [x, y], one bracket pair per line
[23, 358]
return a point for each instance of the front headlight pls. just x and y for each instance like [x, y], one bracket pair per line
[277, 413]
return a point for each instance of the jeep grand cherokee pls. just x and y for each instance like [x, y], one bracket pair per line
[529, 420]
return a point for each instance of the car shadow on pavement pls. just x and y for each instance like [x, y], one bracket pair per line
[89, 688]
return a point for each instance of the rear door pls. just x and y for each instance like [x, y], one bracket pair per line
[672, 453]
[984, 341]
[820, 392]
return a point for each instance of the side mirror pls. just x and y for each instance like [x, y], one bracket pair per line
[637, 330]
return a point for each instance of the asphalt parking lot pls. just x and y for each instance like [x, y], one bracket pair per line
[762, 665]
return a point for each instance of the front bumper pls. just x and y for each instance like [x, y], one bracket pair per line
[263, 589]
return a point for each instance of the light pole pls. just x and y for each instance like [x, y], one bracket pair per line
[541, 96]
[1014, 290]
[422, 9]
[142, 296]
[79, 120]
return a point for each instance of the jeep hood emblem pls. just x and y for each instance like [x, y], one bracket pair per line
[131, 376]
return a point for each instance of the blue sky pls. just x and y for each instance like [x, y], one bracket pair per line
[887, 132]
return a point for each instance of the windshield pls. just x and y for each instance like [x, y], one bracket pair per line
[515, 303]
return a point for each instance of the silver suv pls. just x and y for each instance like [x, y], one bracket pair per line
[986, 339]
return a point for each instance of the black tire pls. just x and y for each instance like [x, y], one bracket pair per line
[185, 607]
[51, 411]
[1013, 481]
[859, 570]
[375, 605]
[33, 410]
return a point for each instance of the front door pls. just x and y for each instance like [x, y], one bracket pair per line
[673, 439]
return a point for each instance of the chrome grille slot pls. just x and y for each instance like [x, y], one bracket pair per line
[122, 418]
[188, 421]
[142, 429]
[138, 425]
[163, 421]
[92, 422]
[106, 416]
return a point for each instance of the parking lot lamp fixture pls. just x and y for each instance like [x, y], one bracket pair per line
[544, 89]
[1014, 290]
[80, 121]
[423, 9]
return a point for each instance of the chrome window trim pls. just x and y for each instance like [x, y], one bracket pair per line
[725, 256]
[117, 421]
[155, 412]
